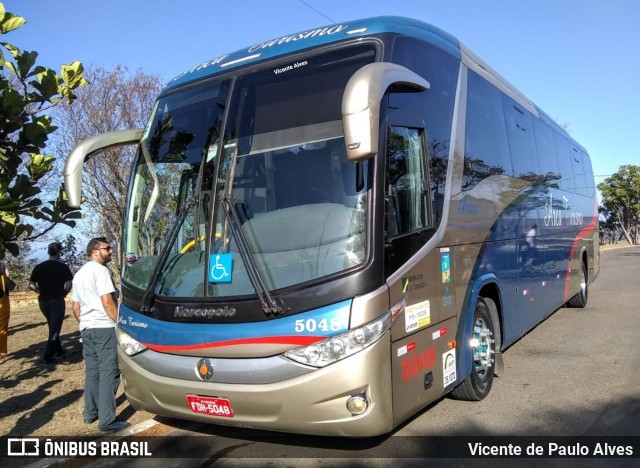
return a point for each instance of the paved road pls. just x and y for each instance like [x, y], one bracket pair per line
[576, 374]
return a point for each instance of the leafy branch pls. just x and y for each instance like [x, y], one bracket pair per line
[27, 91]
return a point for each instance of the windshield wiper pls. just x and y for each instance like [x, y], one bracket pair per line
[267, 302]
[149, 295]
[146, 306]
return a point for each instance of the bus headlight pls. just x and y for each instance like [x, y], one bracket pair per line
[323, 353]
[129, 345]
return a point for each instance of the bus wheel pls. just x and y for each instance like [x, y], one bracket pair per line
[482, 347]
[580, 299]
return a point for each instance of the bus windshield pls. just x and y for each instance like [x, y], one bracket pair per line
[271, 143]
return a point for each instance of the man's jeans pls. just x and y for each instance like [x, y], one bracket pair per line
[53, 310]
[101, 374]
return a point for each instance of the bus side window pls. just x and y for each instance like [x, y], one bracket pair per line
[546, 153]
[486, 150]
[565, 163]
[524, 158]
[578, 171]
[407, 189]
[588, 175]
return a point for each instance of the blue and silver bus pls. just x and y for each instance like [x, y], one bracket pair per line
[327, 231]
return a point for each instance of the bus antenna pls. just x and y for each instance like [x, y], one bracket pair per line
[316, 10]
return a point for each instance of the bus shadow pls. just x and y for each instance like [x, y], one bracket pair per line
[257, 436]
[618, 419]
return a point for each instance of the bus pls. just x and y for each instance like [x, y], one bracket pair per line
[327, 231]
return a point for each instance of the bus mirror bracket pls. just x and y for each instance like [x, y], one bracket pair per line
[84, 151]
[361, 104]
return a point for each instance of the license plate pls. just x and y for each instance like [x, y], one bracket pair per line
[210, 406]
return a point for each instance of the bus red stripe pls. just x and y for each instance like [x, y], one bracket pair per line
[585, 232]
[293, 340]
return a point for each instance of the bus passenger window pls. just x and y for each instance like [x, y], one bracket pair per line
[588, 175]
[486, 150]
[546, 153]
[524, 158]
[565, 163]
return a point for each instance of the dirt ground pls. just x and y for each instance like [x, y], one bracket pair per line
[46, 400]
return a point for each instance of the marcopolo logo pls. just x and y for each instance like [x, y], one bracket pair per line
[196, 312]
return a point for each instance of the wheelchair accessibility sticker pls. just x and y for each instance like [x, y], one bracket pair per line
[220, 268]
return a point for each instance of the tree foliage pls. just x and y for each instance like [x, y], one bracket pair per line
[72, 255]
[27, 92]
[21, 267]
[116, 100]
[621, 202]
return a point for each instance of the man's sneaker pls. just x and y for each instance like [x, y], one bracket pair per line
[115, 426]
[91, 420]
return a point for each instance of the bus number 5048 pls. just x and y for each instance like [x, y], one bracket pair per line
[311, 325]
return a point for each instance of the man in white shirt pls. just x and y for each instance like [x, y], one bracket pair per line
[95, 307]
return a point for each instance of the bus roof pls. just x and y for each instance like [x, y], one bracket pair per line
[317, 37]
[349, 30]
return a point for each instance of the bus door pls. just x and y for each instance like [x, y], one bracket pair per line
[414, 277]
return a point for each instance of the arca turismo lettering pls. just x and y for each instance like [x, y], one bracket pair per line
[137, 323]
[328, 31]
[297, 37]
[195, 312]
[132, 322]
[553, 216]
[202, 66]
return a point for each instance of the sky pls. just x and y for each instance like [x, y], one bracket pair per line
[576, 59]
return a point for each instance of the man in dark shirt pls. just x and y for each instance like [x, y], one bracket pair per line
[52, 280]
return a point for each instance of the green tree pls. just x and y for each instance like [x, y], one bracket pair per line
[27, 92]
[621, 201]
[22, 266]
[71, 254]
[117, 99]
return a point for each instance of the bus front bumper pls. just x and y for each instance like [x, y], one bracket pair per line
[312, 403]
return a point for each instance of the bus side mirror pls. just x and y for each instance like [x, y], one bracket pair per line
[85, 150]
[361, 104]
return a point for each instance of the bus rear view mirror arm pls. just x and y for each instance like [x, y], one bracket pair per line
[361, 104]
[85, 150]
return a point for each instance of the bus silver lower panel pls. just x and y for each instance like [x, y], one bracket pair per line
[312, 403]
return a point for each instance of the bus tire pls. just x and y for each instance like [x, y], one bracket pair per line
[477, 386]
[580, 299]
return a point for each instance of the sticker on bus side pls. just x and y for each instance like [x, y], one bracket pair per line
[417, 316]
[449, 368]
[445, 265]
[439, 333]
[402, 350]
